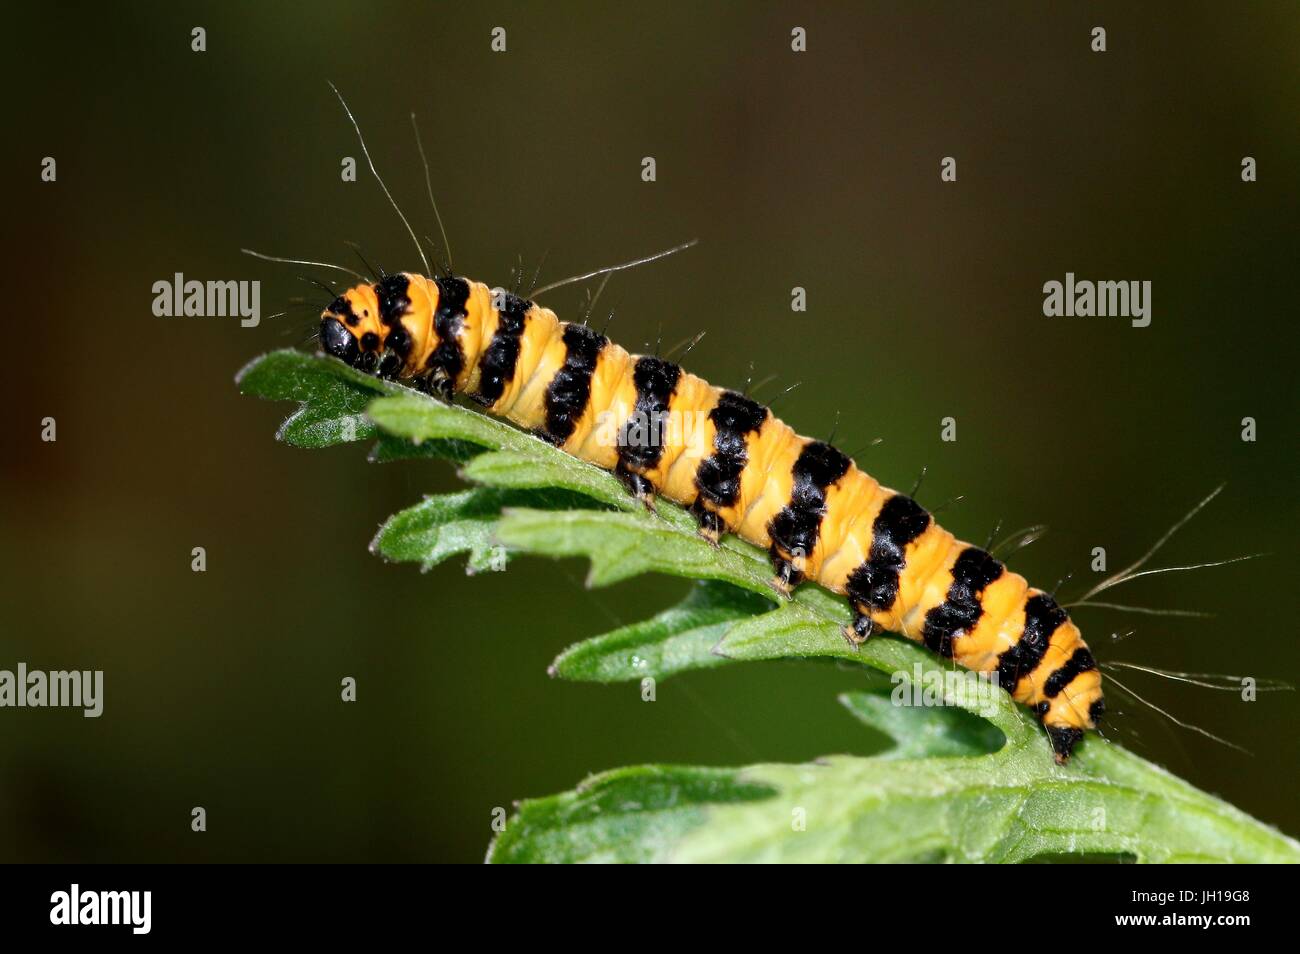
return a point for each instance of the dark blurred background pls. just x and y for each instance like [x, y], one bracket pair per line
[818, 169]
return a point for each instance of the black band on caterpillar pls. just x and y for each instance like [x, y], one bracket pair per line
[567, 394]
[448, 359]
[971, 573]
[394, 300]
[1080, 661]
[718, 477]
[874, 584]
[497, 366]
[795, 528]
[655, 380]
[1042, 617]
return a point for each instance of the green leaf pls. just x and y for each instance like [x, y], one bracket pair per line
[624, 545]
[969, 777]
[332, 401]
[512, 469]
[679, 638]
[627, 815]
[1009, 805]
[445, 525]
[332, 397]
[920, 731]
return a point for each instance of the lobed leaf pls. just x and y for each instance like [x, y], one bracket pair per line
[969, 776]
[677, 639]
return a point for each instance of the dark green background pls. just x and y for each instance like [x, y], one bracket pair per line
[819, 170]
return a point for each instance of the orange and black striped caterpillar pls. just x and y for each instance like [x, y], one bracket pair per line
[808, 504]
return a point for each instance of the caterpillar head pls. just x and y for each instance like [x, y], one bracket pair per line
[352, 329]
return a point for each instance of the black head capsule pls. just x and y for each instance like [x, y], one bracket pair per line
[337, 341]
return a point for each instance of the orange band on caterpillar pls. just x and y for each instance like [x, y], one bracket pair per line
[739, 469]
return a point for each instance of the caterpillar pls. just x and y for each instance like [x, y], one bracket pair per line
[745, 472]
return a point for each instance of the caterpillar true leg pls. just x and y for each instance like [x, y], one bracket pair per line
[637, 485]
[860, 630]
[789, 573]
[710, 526]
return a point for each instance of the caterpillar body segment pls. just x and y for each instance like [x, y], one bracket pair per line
[739, 469]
